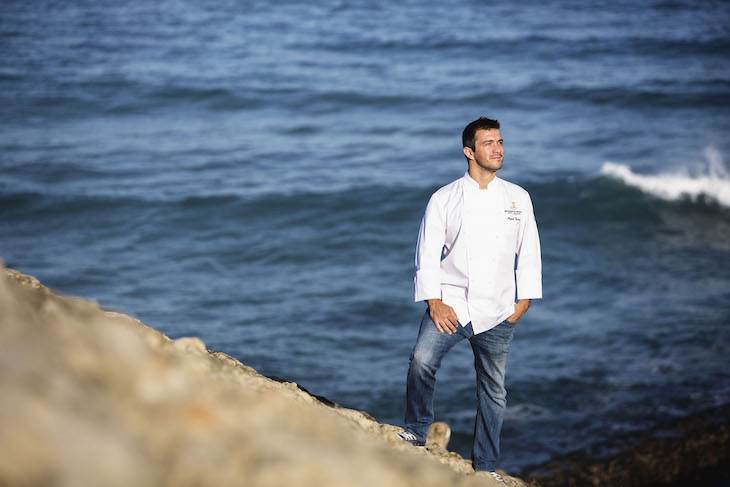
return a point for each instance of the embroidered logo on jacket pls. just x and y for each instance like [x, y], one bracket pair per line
[513, 212]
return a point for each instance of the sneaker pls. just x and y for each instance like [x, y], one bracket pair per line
[497, 477]
[411, 438]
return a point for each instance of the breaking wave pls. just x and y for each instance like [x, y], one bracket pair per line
[713, 183]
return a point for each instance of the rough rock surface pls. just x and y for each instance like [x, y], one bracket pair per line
[691, 451]
[97, 398]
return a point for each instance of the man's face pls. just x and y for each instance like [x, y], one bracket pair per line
[488, 150]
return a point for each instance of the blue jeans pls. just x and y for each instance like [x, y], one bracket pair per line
[490, 359]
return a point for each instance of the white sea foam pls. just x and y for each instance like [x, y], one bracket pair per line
[713, 183]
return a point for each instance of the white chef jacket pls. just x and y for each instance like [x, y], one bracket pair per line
[477, 250]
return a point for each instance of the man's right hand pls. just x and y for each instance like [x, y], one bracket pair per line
[443, 316]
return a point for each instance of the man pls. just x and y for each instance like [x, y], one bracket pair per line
[478, 251]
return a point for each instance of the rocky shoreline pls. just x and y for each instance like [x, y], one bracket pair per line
[688, 452]
[97, 398]
[91, 397]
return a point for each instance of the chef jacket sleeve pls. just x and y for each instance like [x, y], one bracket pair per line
[528, 271]
[431, 237]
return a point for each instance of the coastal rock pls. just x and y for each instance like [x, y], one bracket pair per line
[689, 451]
[439, 434]
[97, 398]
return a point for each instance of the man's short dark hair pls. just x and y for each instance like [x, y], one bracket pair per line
[468, 137]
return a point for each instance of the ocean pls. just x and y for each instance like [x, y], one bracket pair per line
[254, 174]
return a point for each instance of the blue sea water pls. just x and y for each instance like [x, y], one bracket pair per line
[254, 174]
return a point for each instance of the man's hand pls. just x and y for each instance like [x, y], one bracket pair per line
[443, 316]
[520, 308]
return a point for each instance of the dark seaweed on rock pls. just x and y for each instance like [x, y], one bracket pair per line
[692, 451]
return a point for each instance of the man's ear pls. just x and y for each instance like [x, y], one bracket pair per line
[468, 153]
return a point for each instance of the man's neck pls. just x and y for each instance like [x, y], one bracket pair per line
[482, 176]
